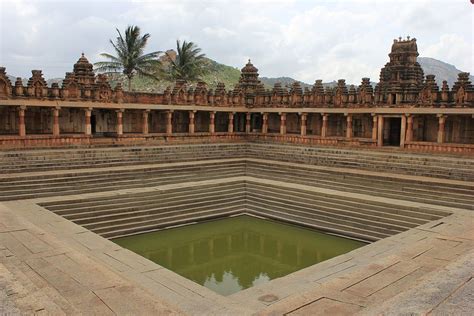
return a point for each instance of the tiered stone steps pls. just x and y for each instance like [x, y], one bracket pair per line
[461, 196]
[127, 214]
[432, 165]
[93, 180]
[103, 180]
[122, 215]
[437, 166]
[364, 219]
[69, 159]
[61, 172]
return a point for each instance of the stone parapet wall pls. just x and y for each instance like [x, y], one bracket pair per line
[46, 141]
[450, 148]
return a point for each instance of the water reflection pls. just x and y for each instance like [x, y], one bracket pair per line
[232, 254]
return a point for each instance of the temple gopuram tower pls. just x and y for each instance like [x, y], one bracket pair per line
[83, 71]
[249, 83]
[401, 79]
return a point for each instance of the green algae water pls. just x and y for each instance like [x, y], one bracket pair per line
[235, 253]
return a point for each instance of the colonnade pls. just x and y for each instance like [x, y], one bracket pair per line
[378, 122]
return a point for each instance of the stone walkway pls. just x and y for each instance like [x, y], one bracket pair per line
[50, 265]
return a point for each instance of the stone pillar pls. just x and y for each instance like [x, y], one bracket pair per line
[191, 122]
[247, 122]
[324, 129]
[349, 126]
[374, 127]
[212, 123]
[145, 128]
[230, 126]
[169, 122]
[441, 124]
[120, 122]
[282, 123]
[380, 131]
[88, 127]
[264, 123]
[21, 121]
[56, 122]
[304, 118]
[403, 130]
[409, 136]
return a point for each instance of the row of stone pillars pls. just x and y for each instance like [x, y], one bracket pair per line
[406, 131]
[119, 128]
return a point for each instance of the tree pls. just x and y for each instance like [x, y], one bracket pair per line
[188, 64]
[130, 58]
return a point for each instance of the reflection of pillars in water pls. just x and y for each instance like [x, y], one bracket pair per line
[262, 243]
[191, 253]
[211, 248]
[229, 243]
[246, 241]
[169, 257]
[279, 248]
[298, 254]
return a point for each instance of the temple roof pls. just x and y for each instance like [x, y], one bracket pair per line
[249, 68]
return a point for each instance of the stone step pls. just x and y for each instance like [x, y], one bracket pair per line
[137, 199]
[377, 211]
[178, 202]
[147, 223]
[421, 213]
[164, 224]
[126, 217]
[336, 215]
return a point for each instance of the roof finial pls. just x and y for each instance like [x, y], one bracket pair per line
[408, 37]
[82, 54]
[399, 38]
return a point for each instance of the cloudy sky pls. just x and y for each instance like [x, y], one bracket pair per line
[306, 40]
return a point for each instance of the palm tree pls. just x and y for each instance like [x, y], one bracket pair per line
[188, 64]
[130, 58]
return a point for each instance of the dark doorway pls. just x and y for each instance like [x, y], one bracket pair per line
[392, 131]
[93, 124]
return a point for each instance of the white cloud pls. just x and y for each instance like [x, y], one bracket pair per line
[301, 39]
[453, 49]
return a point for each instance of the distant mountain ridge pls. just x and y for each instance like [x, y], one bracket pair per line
[230, 77]
[441, 70]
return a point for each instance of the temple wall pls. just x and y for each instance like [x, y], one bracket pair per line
[425, 128]
[39, 120]
[8, 120]
[72, 121]
[337, 125]
[132, 121]
[459, 129]
[221, 122]
[314, 124]
[202, 121]
[157, 121]
[180, 122]
[239, 122]
[293, 123]
[362, 126]
[256, 122]
[105, 121]
[274, 123]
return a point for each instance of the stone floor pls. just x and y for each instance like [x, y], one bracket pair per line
[49, 265]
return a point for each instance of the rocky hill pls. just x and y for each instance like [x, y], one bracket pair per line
[442, 70]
